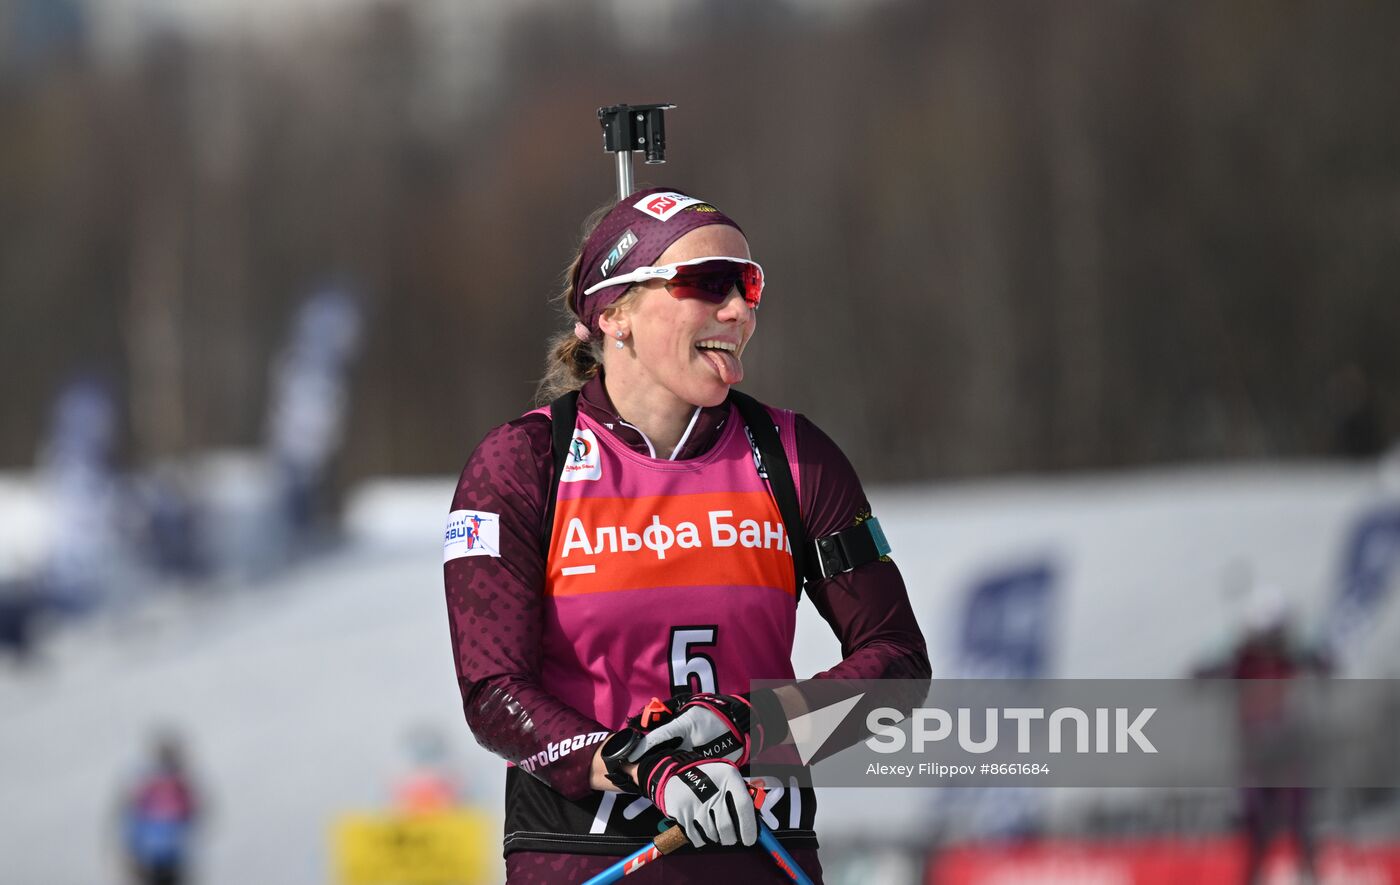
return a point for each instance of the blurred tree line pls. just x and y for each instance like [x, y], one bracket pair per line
[999, 237]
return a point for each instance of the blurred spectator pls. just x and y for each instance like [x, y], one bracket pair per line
[159, 815]
[172, 524]
[1267, 650]
[20, 608]
[428, 786]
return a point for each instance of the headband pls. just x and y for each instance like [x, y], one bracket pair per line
[633, 234]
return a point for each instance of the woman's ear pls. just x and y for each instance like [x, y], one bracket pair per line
[613, 321]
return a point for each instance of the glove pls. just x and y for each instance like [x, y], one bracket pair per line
[715, 726]
[707, 797]
[657, 712]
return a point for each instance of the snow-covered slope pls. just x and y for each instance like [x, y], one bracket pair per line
[295, 699]
[296, 695]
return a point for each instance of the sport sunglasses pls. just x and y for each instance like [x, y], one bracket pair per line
[710, 279]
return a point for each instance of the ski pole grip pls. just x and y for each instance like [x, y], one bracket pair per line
[670, 840]
[664, 844]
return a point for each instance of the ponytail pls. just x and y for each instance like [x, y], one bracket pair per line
[570, 363]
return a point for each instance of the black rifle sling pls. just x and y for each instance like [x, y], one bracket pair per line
[562, 414]
[775, 462]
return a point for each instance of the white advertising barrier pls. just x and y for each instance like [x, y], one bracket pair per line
[1155, 571]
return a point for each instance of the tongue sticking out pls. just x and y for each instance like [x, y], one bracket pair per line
[725, 364]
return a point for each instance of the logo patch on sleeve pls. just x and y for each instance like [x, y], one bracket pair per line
[471, 533]
[585, 460]
[664, 205]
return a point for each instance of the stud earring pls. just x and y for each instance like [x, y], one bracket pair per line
[619, 339]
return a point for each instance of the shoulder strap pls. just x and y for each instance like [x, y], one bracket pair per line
[775, 462]
[563, 413]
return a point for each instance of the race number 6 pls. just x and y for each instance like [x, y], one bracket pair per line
[692, 671]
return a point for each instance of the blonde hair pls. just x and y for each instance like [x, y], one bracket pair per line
[570, 363]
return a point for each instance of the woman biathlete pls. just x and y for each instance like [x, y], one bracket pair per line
[640, 551]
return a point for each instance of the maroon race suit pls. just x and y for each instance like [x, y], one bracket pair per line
[496, 607]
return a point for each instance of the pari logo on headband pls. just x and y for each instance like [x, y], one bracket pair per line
[664, 205]
[618, 252]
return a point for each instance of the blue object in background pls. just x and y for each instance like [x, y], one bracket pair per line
[77, 468]
[1369, 564]
[1006, 624]
[310, 397]
[1005, 634]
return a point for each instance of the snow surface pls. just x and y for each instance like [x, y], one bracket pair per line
[296, 695]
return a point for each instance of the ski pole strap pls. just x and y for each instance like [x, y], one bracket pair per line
[563, 412]
[775, 464]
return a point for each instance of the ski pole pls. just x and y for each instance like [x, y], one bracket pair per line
[664, 844]
[781, 857]
[675, 837]
[770, 843]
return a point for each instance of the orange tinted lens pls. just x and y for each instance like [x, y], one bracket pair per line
[753, 284]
